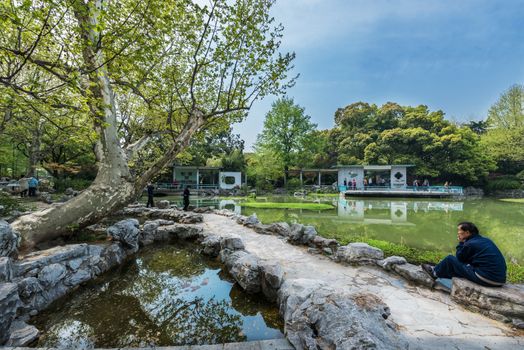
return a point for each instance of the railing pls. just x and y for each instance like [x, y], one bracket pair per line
[181, 185]
[433, 189]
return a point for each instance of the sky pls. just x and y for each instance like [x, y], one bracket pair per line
[454, 55]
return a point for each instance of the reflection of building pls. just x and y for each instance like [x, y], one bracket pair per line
[389, 212]
[230, 205]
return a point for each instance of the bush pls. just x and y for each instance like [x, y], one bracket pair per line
[293, 184]
[503, 183]
[77, 184]
[520, 176]
[9, 203]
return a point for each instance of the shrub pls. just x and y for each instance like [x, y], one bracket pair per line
[77, 184]
[503, 183]
[293, 184]
[9, 203]
[520, 176]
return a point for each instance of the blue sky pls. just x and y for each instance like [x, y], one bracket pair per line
[457, 56]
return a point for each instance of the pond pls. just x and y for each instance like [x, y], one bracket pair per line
[169, 295]
[425, 224]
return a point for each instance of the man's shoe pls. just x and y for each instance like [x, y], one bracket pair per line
[429, 270]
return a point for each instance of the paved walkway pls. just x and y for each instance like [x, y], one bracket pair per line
[428, 319]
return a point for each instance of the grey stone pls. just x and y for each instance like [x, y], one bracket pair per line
[330, 320]
[127, 232]
[359, 253]
[300, 234]
[28, 288]
[211, 245]
[9, 240]
[202, 210]
[111, 256]
[272, 277]
[251, 220]
[77, 278]
[9, 302]
[229, 257]
[75, 263]
[245, 270]
[69, 191]
[293, 292]
[6, 269]
[50, 256]
[22, 334]
[280, 228]
[232, 242]
[50, 275]
[507, 300]
[179, 231]
[261, 229]
[414, 273]
[163, 204]
[390, 261]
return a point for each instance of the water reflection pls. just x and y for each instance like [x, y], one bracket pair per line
[168, 296]
[389, 212]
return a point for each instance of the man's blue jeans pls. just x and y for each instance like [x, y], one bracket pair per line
[452, 267]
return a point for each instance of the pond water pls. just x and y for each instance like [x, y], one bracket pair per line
[169, 295]
[426, 224]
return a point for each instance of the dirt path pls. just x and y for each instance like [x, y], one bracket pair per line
[428, 319]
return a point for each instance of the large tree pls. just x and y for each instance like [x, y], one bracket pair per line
[148, 75]
[504, 138]
[287, 132]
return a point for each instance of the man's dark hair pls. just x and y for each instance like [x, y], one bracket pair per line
[469, 226]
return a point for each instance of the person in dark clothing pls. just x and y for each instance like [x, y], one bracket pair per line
[186, 198]
[150, 193]
[477, 259]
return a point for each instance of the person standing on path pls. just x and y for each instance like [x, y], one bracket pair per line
[24, 186]
[33, 184]
[150, 194]
[186, 198]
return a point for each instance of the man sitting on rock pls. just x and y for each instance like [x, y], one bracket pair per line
[477, 259]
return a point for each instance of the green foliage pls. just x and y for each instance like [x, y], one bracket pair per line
[280, 205]
[501, 184]
[293, 184]
[60, 185]
[391, 134]
[515, 273]
[512, 200]
[10, 203]
[287, 133]
[264, 169]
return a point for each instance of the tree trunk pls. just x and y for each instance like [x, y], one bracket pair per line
[34, 149]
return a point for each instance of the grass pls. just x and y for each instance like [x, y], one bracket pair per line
[513, 200]
[273, 205]
[328, 195]
[415, 256]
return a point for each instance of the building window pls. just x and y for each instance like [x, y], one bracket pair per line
[229, 180]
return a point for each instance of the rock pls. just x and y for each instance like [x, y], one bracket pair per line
[69, 191]
[359, 253]
[9, 240]
[314, 251]
[245, 270]
[50, 275]
[127, 232]
[271, 277]
[77, 278]
[22, 334]
[179, 231]
[111, 256]
[202, 210]
[6, 269]
[507, 300]
[293, 292]
[28, 288]
[163, 204]
[233, 242]
[45, 197]
[9, 302]
[389, 262]
[261, 229]
[149, 230]
[75, 264]
[229, 257]
[414, 273]
[53, 255]
[251, 220]
[211, 246]
[331, 320]
[300, 234]
[280, 228]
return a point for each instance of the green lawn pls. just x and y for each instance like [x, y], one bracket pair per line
[513, 200]
[274, 205]
[329, 195]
